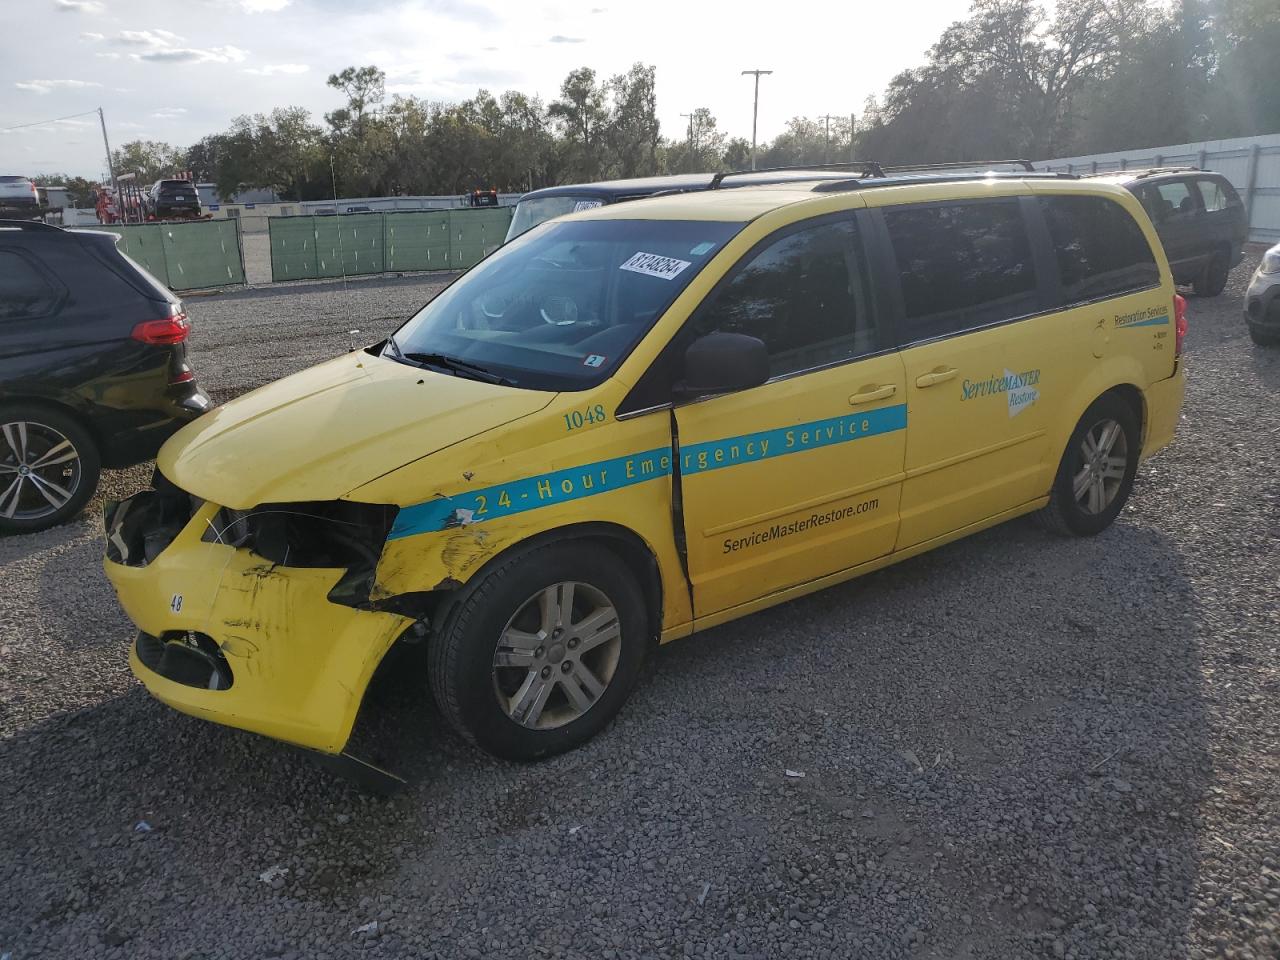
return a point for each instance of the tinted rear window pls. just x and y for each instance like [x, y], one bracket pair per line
[24, 292]
[1101, 251]
[961, 265]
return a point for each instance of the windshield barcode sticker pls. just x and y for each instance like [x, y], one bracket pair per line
[652, 265]
[587, 205]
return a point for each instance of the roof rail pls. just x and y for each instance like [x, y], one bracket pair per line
[1139, 173]
[956, 165]
[868, 168]
[835, 186]
[26, 225]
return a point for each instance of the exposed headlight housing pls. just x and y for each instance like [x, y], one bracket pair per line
[1270, 261]
[324, 533]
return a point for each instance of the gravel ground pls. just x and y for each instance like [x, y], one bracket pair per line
[1015, 746]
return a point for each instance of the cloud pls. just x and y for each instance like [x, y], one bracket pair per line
[48, 86]
[87, 35]
[154, 39]
[263, 6]
[108, 56]
[599, 9]
[192, 55]
[169, 113]
[163, 46]
[271, 69]
[78, 6]
[561, 38]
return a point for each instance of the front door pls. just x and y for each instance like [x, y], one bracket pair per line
[799, 477]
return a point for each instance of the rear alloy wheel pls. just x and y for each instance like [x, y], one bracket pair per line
[1214, 279]
[1097, 469]
[49, 468]
[541, 654]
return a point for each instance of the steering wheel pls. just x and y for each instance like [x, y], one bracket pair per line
[559, 311]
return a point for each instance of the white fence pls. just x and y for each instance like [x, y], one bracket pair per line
[1252, 164]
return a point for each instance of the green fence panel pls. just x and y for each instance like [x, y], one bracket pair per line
[293, 248]
[349, 245]
[417, 240]
[184, 256]
[143, 244]
[202, 254]
[304, 248]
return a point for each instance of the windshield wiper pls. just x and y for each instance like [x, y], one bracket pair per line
[457, 367]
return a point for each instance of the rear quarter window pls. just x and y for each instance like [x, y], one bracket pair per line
[1216, 194]
[1101, 251]
[25, 293]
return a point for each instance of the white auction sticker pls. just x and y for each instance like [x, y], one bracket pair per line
[652, 265]
[587, 205]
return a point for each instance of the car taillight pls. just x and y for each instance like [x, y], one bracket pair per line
[1179, 323]
[173, 329]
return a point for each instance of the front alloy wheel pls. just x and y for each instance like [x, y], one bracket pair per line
[540, 653]
[557, 656]
[48, 469]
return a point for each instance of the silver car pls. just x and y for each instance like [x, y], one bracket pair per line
[1262, 300]
[18, 194]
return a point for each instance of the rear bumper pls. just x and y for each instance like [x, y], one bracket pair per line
[1164, 409]
[296, 664]
[141, 439]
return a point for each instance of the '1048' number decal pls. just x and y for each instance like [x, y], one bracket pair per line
[577, 419]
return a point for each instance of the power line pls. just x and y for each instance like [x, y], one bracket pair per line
[36, 123]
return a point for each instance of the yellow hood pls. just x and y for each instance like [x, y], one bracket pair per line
[325, 431]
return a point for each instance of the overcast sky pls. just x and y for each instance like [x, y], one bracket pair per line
[177, 71]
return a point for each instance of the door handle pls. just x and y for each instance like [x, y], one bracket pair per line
[870, 393]
[934, 376]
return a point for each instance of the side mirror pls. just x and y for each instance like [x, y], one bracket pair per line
[723, 363]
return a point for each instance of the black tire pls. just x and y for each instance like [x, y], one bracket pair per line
[1213, 279]
[37, 504]
[1262, 338]
[1065, 514]
[467, 684]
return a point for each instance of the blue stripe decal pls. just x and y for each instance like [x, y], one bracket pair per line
[715, 454]
[603, 476]
[1153, 322]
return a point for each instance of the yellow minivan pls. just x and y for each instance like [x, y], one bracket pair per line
[642, 420]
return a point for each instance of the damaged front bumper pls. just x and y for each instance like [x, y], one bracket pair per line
[278, 647]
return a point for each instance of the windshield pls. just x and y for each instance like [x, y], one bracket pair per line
[530, 213]
[561, 307]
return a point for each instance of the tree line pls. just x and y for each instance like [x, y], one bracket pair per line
[1009, 80]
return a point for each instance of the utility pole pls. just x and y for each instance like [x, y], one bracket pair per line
[755, 109]
[111, 170]
[826, 146]
[689, 158]
[853, 125]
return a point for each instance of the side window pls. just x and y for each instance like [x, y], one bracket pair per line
[1175, 199]
[804, 295]
[1216, 194]
[24, 293]
[1101, 251]
[961, 265]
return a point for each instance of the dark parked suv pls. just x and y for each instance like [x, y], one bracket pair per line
[1199, 217]
[173, 198]
[93, 369]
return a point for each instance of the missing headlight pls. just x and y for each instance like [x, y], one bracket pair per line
[328, 533]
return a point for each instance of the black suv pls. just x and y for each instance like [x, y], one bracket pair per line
[173, 198]
[1199, 217]
[93, 369]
